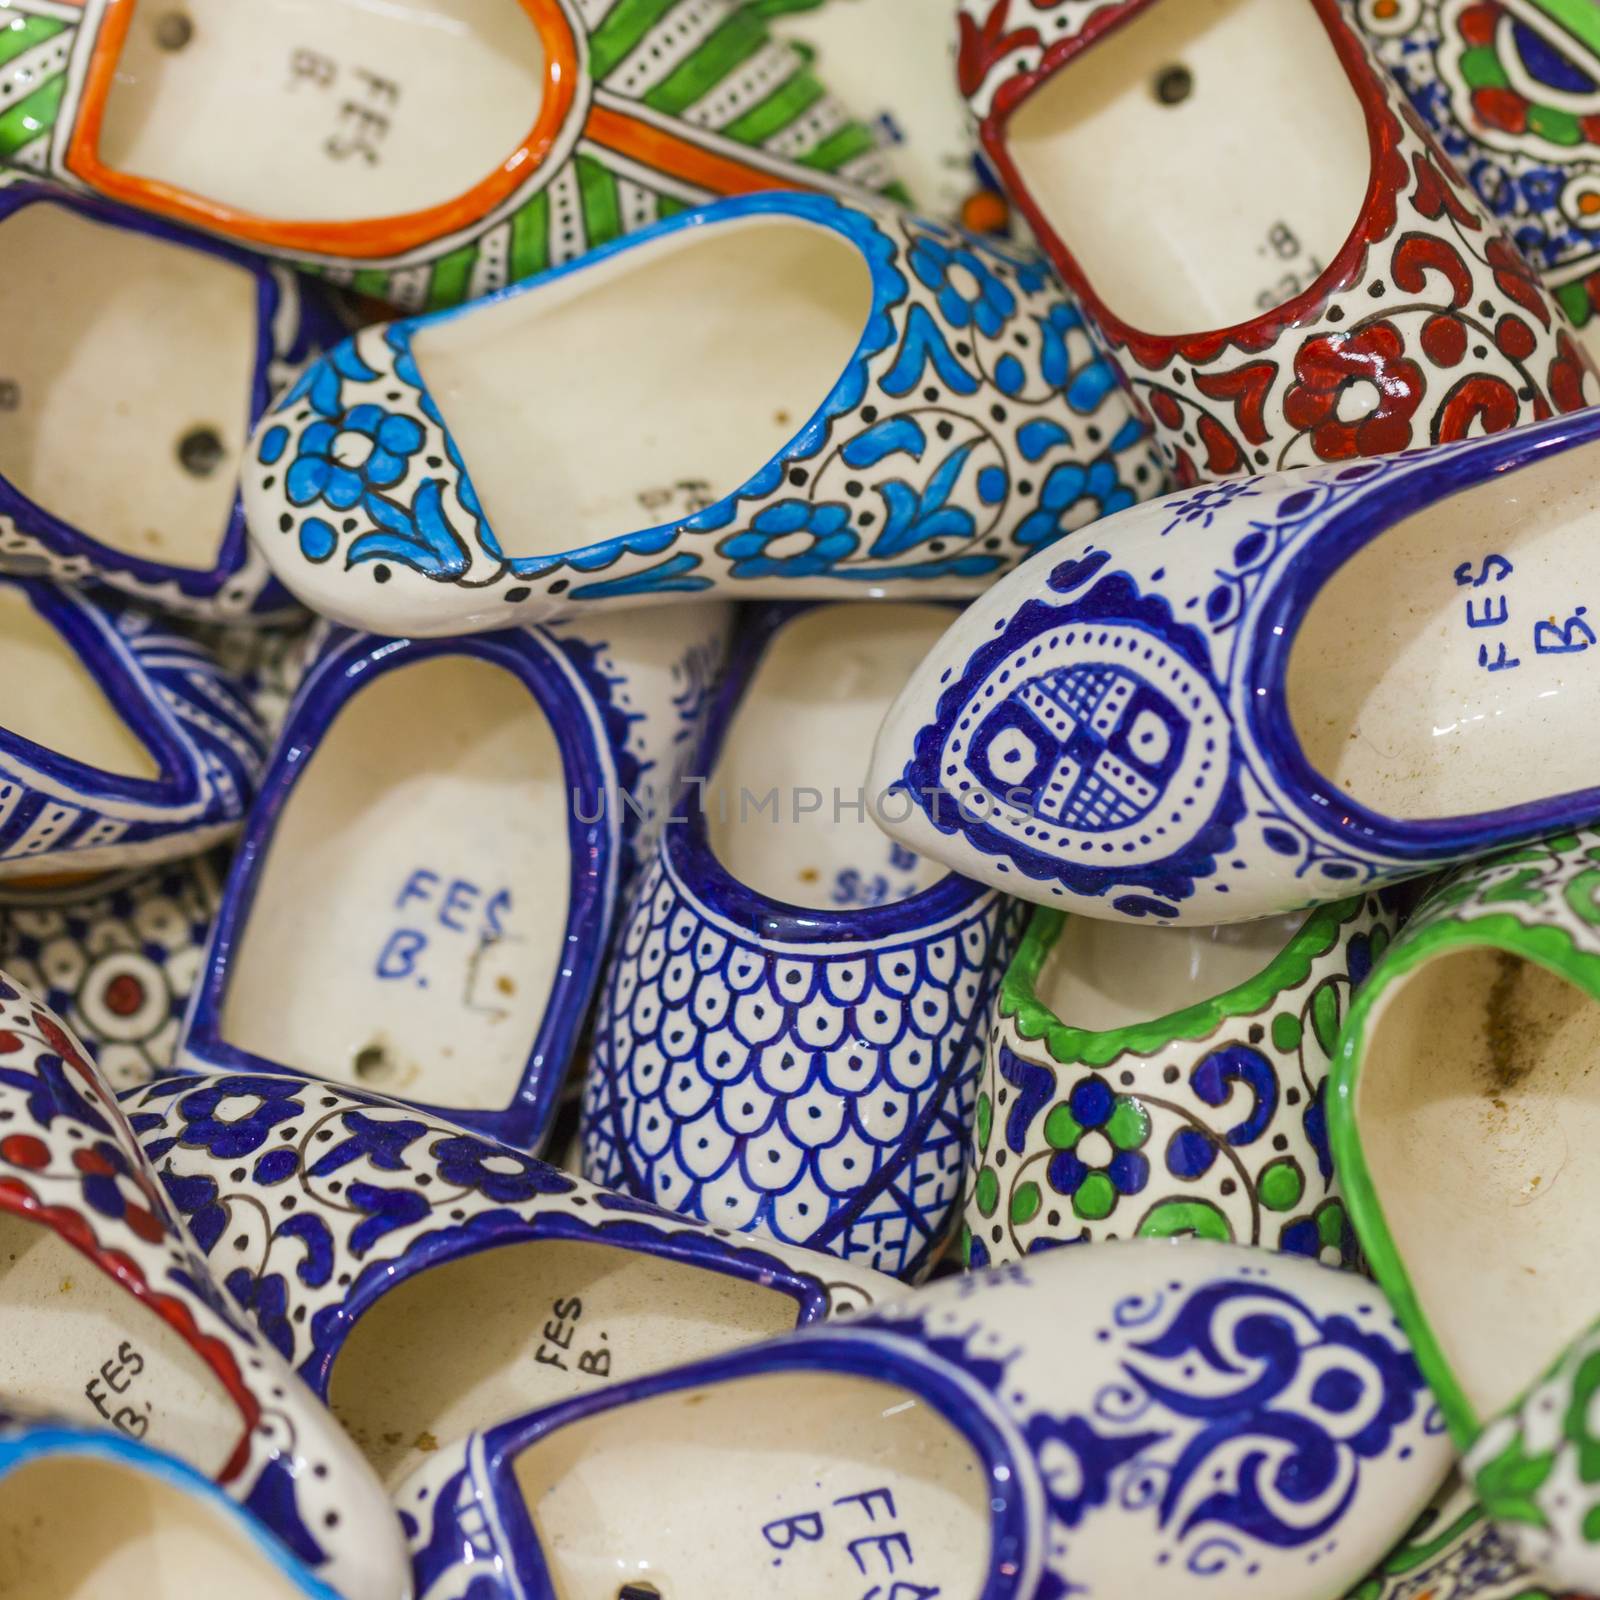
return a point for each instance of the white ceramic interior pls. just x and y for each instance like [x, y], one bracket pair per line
[78, 1345]
[323, 110]
[81, 1528]
[804, 731]
[1130, 182]
[1478, 1106]
[707, 350]
[121, 357]
[463, 1346]
[623, 1497]
[1104, 975]
[411, 912]
[65, 709]
[1390, 687]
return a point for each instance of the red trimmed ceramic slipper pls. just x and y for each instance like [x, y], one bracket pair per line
[1278, 257]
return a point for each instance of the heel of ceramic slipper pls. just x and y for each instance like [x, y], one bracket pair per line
[1537, 1470]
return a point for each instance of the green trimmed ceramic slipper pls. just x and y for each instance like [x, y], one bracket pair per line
[1465, 1120]
[1116, 1105]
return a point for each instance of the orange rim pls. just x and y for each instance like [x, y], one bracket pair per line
[682, 158]
[380, 236]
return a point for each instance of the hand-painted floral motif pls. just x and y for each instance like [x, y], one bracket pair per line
[381, 1191]
[1427, 327]
[975, 423]
[69, 1162]
[116, 958]
[1210, 1121]
[664, 108]
[1511, 91]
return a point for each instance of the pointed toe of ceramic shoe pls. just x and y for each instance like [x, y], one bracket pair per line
[139, 357]
[86, 1512]
[113, 1321]
[844, 401]
[975, 1439]
[1224, 704]
[123, 744]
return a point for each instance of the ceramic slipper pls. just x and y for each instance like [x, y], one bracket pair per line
[1165, 1081]
[138, 358]
[1269, 693]
[1452, 1552]
[1511, 91]
[1143, 1417]
[423, 154]
[121, 743]
[116, 957]
[887, 59]
[427, 1283]
[791, 1030]
[879, 406]
[108, 1317]
[421, 900]
[91, 1515]
[1463, 1100]
[1280, 260]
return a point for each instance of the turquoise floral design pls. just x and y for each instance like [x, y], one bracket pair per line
[338, 463]
[792, 539]
[969, 293]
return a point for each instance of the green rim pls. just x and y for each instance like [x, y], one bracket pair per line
[1548, 947]
[1019, 997]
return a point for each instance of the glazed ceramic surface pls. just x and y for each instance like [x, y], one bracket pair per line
[1511, 90]
[844, 402]
[1273, 249]
[131, 746]
[1265, 694]
[1452, 1553]
[138, 359]
[424, 154]
[111, 1319]
[1464, 1100]
[116, 958]
[1115, 1103]
[94, 1515]
[895, 63]
[464, 816]
[1210, 1420]
[267, 662]
[791, 1029]
[428, 1282]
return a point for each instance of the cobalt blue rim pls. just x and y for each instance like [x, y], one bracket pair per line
[851, 221]
[40, 522]
[635, 1233]
[22, 1444]
[592, 862]
[85, 626]
[907, 1366]
[687, 843]
[1281, 613]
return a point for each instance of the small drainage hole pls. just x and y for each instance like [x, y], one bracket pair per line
[1173, 85]
[174, 30]
[372, 1064]
[200, 452]
[638, 1591]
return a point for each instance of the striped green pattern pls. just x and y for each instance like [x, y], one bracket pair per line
[30, 95]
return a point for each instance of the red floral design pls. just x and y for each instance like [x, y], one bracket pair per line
[1328, 365]
[1483, 399]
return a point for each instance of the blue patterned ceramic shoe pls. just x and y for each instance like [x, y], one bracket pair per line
[112, 1320]
[1269, 693]
[1463, 1108]
[116, 957]
[1511, 90]
[1140, 1418]
[91, 1515]
[421, 901]
[791, 1031]
[428, 1283]
[122, 744]
[841, 401]
[138, 357]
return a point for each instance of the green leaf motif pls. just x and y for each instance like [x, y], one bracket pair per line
[1185, 1217]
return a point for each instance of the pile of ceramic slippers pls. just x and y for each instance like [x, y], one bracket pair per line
[626, 794]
